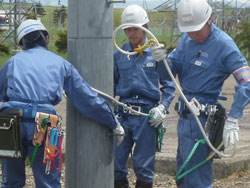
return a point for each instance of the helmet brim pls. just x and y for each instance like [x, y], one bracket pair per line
[185, 29]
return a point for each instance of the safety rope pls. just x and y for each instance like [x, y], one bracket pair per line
[121, 104]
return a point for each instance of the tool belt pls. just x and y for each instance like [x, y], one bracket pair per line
[10, 133]
[215, 121]
[182, 109]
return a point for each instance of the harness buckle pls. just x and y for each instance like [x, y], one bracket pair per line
[134, 107]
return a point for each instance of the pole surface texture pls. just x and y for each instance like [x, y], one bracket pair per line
[89, 145]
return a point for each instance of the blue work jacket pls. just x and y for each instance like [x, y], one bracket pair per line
[38, 77]
[139, 79]
[202, 69]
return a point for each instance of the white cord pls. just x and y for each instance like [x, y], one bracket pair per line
[120, 103]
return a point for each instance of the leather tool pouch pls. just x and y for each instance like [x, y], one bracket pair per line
[10, 133]
[40, 132]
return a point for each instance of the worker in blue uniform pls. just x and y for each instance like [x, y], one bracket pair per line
[137, 81]
[34, 80]
[204, 58]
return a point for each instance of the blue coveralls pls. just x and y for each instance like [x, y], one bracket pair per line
[37, 77]
[137, 83]
[202, 69]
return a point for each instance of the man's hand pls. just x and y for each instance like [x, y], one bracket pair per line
[230, 132]
[159, 52]
[157, 115]
[119, 133]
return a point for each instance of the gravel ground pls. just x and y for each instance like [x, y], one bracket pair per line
[237, 180]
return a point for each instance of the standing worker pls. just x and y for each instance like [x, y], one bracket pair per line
[137, 81]
[204, 58]
[34, 80]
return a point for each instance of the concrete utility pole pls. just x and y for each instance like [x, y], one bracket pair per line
[89, 146]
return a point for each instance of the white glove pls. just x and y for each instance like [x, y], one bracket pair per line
[159, 52]
[119, 133]
[230, 132]
[157, 115]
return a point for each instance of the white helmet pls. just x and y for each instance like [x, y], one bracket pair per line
[134, 14]
[193, 15]
[29, 26]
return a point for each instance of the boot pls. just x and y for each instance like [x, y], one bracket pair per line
[141, 184]
[123, 183]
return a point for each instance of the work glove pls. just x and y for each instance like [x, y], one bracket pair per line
[159, 52]
[119, 133]
[157, 115]
[230, 132]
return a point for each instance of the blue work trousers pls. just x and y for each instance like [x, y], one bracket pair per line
[13, 170]
[142, 136]
[188, 133]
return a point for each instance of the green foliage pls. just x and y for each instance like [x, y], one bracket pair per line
[34, 11]
[30, 15]
[61, 43]
[60, 15]
[242, 38]
[39, 9]
[117, 17]
[4, 49]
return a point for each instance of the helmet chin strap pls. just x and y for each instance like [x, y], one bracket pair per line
[24, 43]
[44, 38]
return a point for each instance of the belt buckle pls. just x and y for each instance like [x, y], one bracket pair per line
[134, 107]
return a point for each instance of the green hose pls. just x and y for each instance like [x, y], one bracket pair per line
[45, 120]
[161, 130]
[34, 155]
[178, 174]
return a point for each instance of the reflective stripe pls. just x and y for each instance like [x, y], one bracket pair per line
[242, 74]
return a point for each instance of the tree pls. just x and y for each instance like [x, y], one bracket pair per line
[30, 15]
[3, 47]
[61, 43]
[34, 11]
[63, 15]
[242, 38]
[39, 9]
[60, 15]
